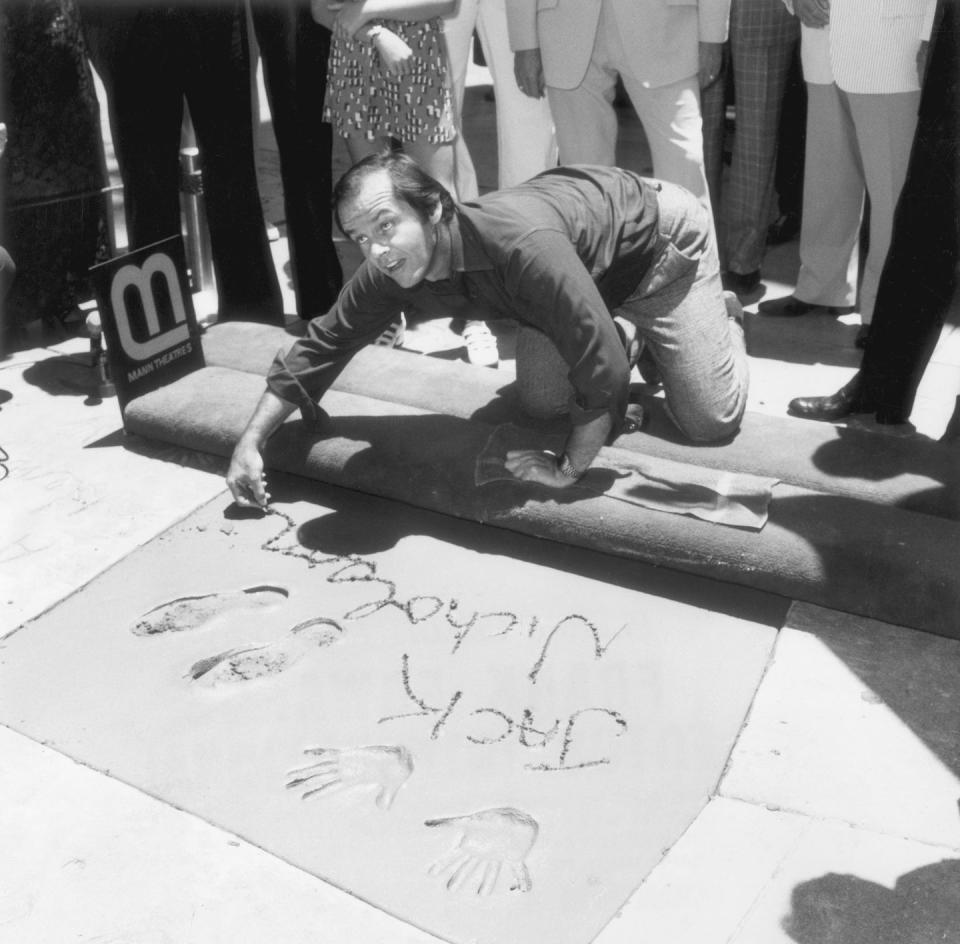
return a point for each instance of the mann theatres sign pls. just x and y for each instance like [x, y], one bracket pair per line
[148, 320]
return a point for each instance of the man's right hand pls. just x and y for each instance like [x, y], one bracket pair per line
[245, 477]
[528, 69]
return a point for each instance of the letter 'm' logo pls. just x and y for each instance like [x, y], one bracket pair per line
[141, 278]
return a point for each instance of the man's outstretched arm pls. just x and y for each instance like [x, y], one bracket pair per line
[245, 476]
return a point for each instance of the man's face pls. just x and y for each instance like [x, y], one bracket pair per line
[390, 233]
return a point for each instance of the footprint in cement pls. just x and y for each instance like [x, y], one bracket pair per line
[272, 658]
[380, 768]
[491, 843]
[185, 613]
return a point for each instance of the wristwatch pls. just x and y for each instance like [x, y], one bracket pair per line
[566, 468]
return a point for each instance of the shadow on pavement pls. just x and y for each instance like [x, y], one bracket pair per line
[922, 908]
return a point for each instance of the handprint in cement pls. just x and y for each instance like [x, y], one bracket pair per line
[380, 769]
[491, 843]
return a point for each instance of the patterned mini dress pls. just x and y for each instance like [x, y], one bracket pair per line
[363, 100]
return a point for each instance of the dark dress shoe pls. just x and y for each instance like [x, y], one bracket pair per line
[847, 400]
[741, 283]
[791, 307]
[784, 228]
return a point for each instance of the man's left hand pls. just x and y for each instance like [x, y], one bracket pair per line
[534, 465]
[711, 62]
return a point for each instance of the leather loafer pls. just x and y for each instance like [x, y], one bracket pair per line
[791, 307]
[844, 402]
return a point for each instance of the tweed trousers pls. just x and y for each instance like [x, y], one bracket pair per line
[680, 312]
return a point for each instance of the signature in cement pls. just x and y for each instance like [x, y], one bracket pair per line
[419, 609]
[489, 725]
[498, 726]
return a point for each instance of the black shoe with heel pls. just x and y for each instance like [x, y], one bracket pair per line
[847, 401]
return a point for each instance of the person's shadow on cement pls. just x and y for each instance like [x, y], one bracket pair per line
[933, 466]
[922, 908]
[66, 375]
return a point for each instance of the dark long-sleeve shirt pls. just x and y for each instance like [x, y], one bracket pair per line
[557, 253]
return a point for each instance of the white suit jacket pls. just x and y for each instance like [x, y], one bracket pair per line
[870, 46]
[660, 36]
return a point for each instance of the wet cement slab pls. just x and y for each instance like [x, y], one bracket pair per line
[493, 738]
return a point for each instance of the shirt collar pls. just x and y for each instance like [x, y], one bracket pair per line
[466, 251]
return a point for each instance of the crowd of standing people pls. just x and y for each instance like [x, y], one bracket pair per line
[390, 74]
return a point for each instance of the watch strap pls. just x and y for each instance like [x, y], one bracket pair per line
[566, 468]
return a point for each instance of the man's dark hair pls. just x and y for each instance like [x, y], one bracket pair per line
[410, 184]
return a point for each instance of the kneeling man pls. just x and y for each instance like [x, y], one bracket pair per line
[593, 262]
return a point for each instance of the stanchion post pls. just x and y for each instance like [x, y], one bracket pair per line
[197, 235]
[98, 356]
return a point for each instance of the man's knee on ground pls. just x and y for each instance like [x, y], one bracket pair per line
[710, 428]
[715, 432]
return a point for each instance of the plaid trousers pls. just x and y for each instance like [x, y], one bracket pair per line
[762, 39]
